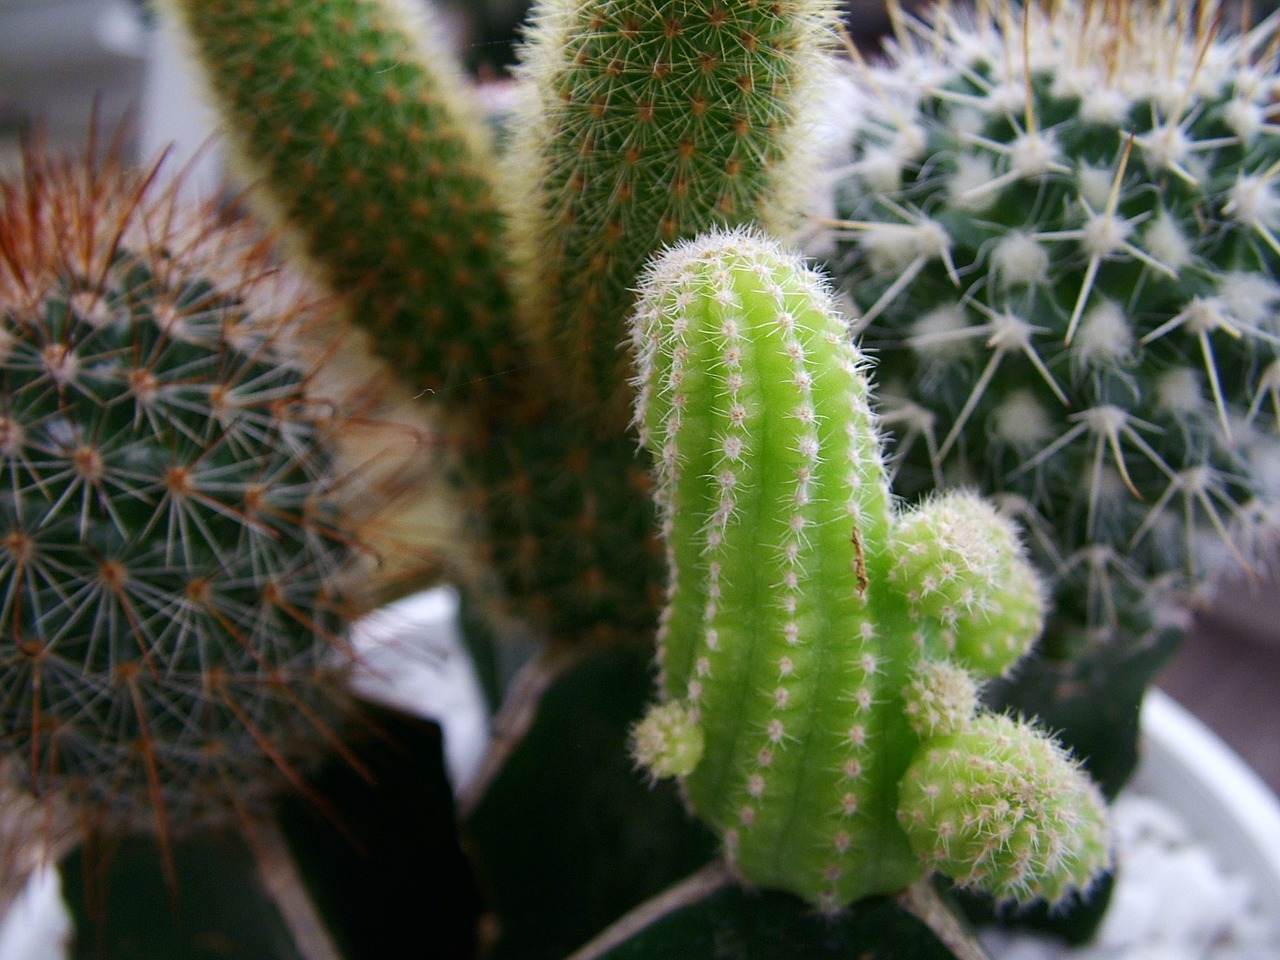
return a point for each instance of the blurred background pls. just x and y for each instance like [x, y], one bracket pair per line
[63, 61]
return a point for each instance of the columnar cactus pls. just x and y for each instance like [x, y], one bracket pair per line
[641, 124]
[354, 129]
[820, 651]
[172, 527]
[645, 123]
[1060, 227]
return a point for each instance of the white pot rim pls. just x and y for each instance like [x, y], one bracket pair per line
[1189, 768]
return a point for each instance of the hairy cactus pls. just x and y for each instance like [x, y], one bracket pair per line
[819, 651]
[643, 124]
[1060, 226]
[358, 137]
[172, 527]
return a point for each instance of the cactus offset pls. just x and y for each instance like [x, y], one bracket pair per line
[171, 521]
[817, 649]
[643, 124]
[358, 137]
[1060, 224]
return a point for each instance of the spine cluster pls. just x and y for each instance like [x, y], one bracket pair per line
[817, 648]
[1060, 226]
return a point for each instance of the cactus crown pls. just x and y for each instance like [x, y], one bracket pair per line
[818, 648]
[171, 522]
[1060, 225]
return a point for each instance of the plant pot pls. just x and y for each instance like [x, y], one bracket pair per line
[1195, 774]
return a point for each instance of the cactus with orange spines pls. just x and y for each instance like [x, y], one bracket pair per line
[174, 532]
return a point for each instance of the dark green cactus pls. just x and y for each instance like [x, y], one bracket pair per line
[820, 652]
[1060, 225]
[358, 136]
[171, 521]
[645, 123]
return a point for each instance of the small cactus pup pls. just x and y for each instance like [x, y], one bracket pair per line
[643, 123]
[173, 528]
[353, 126]
[1060, 226]
[820, 652]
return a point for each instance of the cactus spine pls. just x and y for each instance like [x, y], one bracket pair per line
[172, 528]
[644, 123]
[1060, 223]
[817, 649]
[357, 136]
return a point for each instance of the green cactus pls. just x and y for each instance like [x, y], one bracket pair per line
[820, 652]
[1060, 224]
[641, 124]
[172, 525]
[710, 134]
[359, 138]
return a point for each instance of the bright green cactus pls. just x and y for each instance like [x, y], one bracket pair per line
[172, 523]
[641, 124]
[819, 651]
[1060, 225]
[352, 124]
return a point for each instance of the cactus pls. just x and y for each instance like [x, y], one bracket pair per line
[1060, 227]
[711, 133]
[172, 513]
[356, 132]
[819, 651]
[643, 124]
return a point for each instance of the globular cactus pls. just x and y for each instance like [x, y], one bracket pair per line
[641, 124]
[352, 125]
[820, 651]
[1060, 225]
[172, 522]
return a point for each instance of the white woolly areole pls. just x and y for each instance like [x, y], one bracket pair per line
[1178, 392]
[1105, 335]
[1250, 298]
[973, 171]
[1019, 260]
[1021, 422]
[1165, 241]
[940, 332]
[1094, 184]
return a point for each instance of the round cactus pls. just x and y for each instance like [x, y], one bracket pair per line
[805, 668]
[1000, 808]
[171, 528]
[1059, 224]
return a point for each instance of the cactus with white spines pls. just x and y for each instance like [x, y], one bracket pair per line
[173, 527]
[820, 651]
[1060, 225]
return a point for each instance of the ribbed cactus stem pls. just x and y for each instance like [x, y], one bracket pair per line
[644, 123]
[813, 641]
[354, 132]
